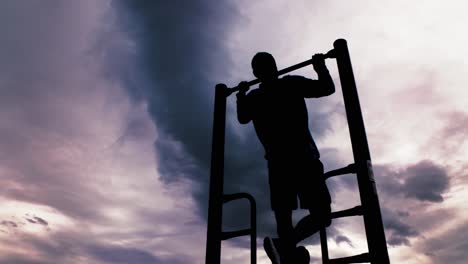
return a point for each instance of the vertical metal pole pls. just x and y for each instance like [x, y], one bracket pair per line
[369, 199]
[324, 245]
[213, 240]
[253, 232]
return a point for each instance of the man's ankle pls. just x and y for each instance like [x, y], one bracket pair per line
[272, 250]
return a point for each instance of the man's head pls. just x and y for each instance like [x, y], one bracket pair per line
[264, 66]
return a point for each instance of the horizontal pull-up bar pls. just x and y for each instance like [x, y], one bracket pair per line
[328, 55]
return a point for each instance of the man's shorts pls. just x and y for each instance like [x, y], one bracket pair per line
[301, 177]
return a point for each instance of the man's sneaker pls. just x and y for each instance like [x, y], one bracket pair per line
[271, 250]
[302, 255]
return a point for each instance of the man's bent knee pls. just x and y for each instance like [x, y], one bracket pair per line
[323, 220]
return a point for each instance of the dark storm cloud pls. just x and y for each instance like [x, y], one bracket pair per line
[180, 49]
[180, 55]
[415, 185]
[401, 188]
[426, 181]
[397, 230]
[343, 239]
[423, 181]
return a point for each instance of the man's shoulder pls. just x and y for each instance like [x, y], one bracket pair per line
[254, 92]
[293, 78]
[295, 81]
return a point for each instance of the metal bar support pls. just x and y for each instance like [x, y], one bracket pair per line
[368, 193]
[252, 231]
[215, 208]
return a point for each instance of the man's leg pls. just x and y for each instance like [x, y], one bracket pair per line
[314, 195]
[284, 226]
[311, 224]
[283, 199]
[278, 249]
[285, 232]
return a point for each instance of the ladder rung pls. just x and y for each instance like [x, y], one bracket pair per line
[348, 212]
[231, 234]
[351, 168]
[362, 258]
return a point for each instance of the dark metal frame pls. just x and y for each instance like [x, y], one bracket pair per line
[215, 208]
[362, 166]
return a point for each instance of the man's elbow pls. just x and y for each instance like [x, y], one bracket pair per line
[243, 118]
[328, 88]
[331, 89]
[243, 121]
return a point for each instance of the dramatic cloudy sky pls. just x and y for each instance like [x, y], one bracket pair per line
[106, 110]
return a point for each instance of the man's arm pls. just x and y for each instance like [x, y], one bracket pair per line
[324, 86]
[243, 104]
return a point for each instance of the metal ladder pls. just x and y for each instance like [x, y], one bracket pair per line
[369, 208]
[362, 167]
[215, 235]
[355, 211]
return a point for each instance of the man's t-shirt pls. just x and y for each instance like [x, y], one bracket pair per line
[280, 118]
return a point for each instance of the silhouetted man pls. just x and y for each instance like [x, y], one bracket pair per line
[279, 114]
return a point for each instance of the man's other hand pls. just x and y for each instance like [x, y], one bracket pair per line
[243, 87]
[318, 60]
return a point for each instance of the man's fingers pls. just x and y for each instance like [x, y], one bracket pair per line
[243, 86]
[318, 58]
